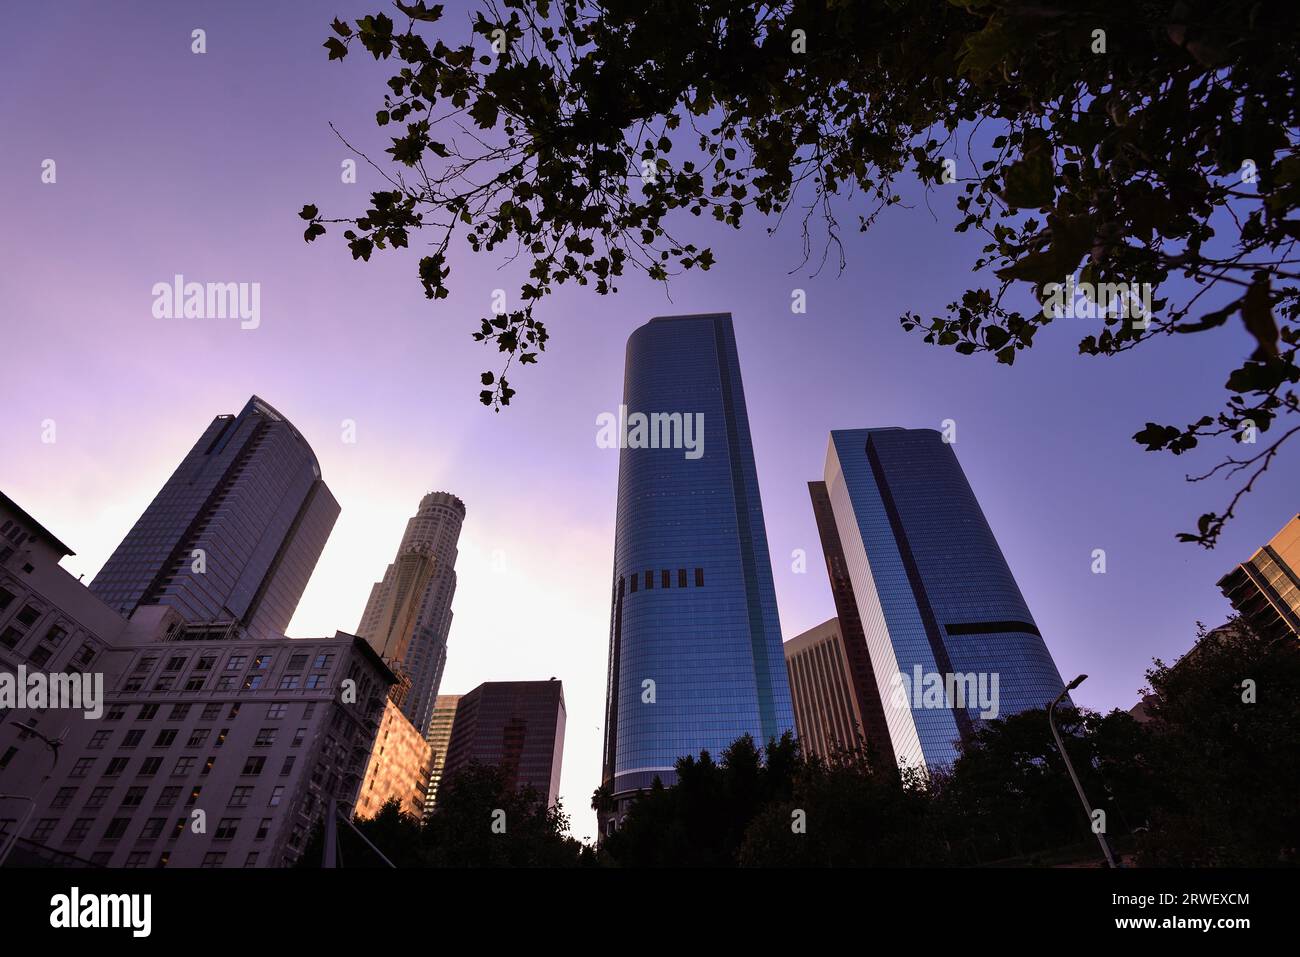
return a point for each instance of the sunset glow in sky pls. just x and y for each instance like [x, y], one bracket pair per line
[170, 162]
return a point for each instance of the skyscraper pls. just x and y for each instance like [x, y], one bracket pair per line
[940, 609]
[234, 534]
[857, 657]
[1266, 589]
[439, 737]
[408, 615]
[826, 711]
[517, 726]
[695, 654]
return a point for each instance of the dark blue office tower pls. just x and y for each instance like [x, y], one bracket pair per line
[695, 656]
[937, 600]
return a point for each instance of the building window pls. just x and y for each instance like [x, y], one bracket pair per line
[116, 828]
[323, 660]
[699, 578]
[137, 859]
[221, 738]
[251, 859]
[263, 829]
[63, 798]
[169, 796]
[649, 580]
[179, 712]
[265, 738]
[10, 637]
[150, 767]
[183, 767]
[287, 769]
[97, 797]
[681, 578]
[298, 737]
[28, 616]
[262, 662]
[211, 712]
[288, 682]
[115, 767]
[197, 737]
[277, 711]
[213, 859]
[236, 662]
[55, 635]
[98, 740]
[165, 738]
[666, 579]
[43, 829]
[226, 829]
[194, 795]
[635, 579]
[133, 738]
[134, 797]
[116, 713]
[297, 663]
[208, 765]
[240, 796]
[153, 829]
[147, 712]
[253, 767]
[276, 794]
[80, 828]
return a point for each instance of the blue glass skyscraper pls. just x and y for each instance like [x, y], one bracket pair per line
[695, 657]
[935, 594]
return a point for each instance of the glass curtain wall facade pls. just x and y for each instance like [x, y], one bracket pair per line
[517, 726]
[934, 592]
[695, 656]
[234, 534]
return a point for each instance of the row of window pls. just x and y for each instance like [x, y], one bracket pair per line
[211, 711]
[255, 678]
[198, 737]
[665, 578]
[19, 627]
[149, 767]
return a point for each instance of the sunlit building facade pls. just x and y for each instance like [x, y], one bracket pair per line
[439, 737]
[1266, 589]
[408, 616]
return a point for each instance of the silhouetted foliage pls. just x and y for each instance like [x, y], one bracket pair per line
[1231, 769]
[1210, 781]
[1129, 143]
[479, 821]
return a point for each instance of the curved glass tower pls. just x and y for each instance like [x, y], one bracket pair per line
[234, 534]
[695, 657]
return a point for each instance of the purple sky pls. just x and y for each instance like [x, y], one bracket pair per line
[170, 162]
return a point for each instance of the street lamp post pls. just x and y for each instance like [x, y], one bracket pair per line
[1060, 745]
[53, 744]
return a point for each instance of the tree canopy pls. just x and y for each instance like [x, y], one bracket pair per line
[1146, 145]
